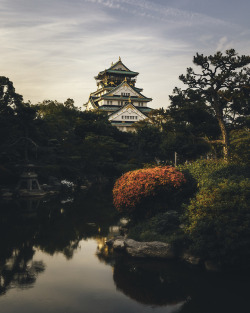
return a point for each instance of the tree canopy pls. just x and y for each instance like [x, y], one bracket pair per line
[222, 85]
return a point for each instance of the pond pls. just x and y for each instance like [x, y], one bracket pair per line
[53, 259]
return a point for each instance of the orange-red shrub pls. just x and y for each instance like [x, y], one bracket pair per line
[132, 188]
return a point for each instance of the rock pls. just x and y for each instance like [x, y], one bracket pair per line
[118, 244]
[109, 242]
[154, 249]
[124, 221]
[191, 259]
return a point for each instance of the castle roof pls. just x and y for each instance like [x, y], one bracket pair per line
[115, 108]
[141, 97]
[117, 68]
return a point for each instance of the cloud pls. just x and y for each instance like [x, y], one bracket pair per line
[153, 10]
[54, 48]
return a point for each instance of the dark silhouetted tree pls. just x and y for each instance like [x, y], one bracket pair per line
[223, 85]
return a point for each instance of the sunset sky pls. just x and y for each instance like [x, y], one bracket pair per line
[52, 49]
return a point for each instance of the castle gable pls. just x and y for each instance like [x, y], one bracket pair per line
[124, 90]
[128, 113]
[119, 67]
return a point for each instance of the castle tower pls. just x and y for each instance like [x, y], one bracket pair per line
[117, 95]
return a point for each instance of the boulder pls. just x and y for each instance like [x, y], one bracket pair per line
[154, 249]
[110, 242]
[191, 259]
[119, 239]
[118, 244]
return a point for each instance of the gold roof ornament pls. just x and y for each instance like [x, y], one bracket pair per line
[129, 100]
[119, 58]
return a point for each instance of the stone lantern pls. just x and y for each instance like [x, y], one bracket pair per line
[28, 184]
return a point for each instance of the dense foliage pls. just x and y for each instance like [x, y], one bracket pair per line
[222, 83]
[211, 172]
[217, 220]
[240, 145]
[64, 141]
[133, 188]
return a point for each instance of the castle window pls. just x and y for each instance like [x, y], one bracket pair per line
[125, 94]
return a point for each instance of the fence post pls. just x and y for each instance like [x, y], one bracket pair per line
[175, 159]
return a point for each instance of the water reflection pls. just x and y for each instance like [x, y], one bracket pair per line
[19, 270]
[52, 225]
[149, 283]
[191, 290]
[35, 234]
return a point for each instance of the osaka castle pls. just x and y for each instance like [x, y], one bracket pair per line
[117, 95]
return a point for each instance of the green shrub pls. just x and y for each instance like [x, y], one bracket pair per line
[202, 169]
[161, 227]
[209, 172]
[218, 222]
[240, 145]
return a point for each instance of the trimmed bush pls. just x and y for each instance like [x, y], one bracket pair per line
[134, 189]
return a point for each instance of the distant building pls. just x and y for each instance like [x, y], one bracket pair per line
[117, 95]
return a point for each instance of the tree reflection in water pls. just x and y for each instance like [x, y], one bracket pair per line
[56, 226]
[148, 283]
[51, 225]
[169, 283]
[19, 270]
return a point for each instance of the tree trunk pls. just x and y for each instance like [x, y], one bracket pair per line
[224, 133]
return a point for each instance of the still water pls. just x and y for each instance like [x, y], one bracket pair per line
[53, 259]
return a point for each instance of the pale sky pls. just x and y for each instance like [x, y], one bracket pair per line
[52, 49]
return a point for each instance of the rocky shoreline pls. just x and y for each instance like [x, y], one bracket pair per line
[157, 249]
